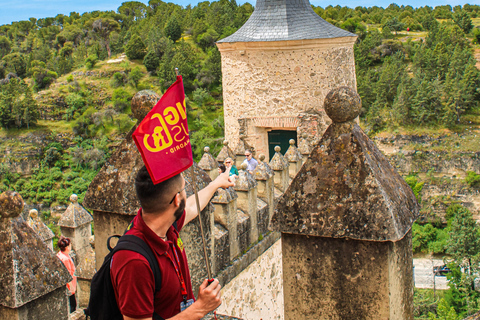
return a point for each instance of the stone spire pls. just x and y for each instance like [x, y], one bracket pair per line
[40, 228]
[225, 153]
[208, 163]
[28, 268]
[345, 221]
[75, 215]
[280, 20]
[347, 188]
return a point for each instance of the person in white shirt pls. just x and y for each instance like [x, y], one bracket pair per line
[250, 161]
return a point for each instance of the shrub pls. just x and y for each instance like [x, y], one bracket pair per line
[151, 61]
[135, 48]
[118, 79]
[473, 179]
[121, 99]
[91, 61]
[70, 78]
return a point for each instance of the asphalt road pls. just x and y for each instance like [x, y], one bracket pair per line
[423, 274]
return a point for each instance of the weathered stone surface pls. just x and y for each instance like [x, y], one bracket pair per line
[208, 162]
[75, 215]
[224, 195]
[53, 305]
[28, 268]
[245, 180]
[347, 279]
[342, 104]
[292, 154]
[142, 102]
[11, 204]
[39, 227]
[278, 161]
[225, 152]
[281, 80]
[257, 292]
[347, 189]
[263, 171]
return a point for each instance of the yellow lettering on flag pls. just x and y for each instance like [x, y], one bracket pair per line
[161, 136]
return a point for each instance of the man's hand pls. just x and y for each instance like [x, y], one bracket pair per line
[209, 296]
[223, 180]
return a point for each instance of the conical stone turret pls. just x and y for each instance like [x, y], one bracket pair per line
[345, 222]
[32, 278]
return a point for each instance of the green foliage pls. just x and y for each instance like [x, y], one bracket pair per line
[5, 46]
[118, 79]
[462, 19]
[135, 75]
[18, 108]
[428, 239]
[15, 63]
[173, 29]
[412, 181]
[464, 236]
[151, 61]
[135, 48]
[91, 61]
[121, 99]
[473, 179]
[444, 312]
[424, 302]
[41, 75]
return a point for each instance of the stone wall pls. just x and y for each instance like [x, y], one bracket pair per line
[281, 79]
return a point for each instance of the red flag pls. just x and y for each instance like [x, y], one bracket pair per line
[162, 137]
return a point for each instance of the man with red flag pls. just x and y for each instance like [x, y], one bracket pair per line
[163, 140]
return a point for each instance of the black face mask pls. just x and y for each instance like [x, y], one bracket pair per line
[179, 212]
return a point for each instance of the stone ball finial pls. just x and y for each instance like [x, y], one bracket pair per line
[225, 142]
[142, 102]
[33, 213]
[262, 157]
[74, 198]
[206, 149]
[11, 204]
[243, 166]
[343, 104]
[292, 142]
[277, 148]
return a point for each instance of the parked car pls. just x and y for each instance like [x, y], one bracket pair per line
[441, 270]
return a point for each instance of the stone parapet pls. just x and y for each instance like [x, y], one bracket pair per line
[32, 278]
[209, 164]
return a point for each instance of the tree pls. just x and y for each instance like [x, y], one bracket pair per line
[15, 62]
[151, 61]
[102, 28]
[173, 30]
[18, 108]
[135, 48]
[5, 46]
[394, 24]
[463, 20]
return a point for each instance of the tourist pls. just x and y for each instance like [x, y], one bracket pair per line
[65, 246]
[230, 166]
[165, 209]
[250, 161]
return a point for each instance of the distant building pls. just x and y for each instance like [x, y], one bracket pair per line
[277, 70]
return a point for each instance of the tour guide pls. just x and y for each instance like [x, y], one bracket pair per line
[133, 281]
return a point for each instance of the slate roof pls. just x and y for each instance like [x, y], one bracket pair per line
[278, 20]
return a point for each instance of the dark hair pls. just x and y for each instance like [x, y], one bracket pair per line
[63, 243]
[222, 167]
[155, 197]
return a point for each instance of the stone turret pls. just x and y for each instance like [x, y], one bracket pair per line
[280, 167]
[277, 69]
[40, 228]
[209, 164]
[225, 153]
[346, 227]
[32, 278]
[294, 158]
[76, 224]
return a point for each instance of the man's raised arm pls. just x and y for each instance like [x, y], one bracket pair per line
[204, 195]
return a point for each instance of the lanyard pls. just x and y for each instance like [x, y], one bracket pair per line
[179, 275]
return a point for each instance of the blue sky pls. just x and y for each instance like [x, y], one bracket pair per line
[15, 10]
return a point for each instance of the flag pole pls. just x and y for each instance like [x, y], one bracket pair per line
[205, 255]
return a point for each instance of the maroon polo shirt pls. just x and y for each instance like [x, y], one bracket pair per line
[133, 280]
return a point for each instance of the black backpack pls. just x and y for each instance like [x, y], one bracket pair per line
[102, 304]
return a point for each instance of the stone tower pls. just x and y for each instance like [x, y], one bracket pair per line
[277, 69]
[346, 225]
